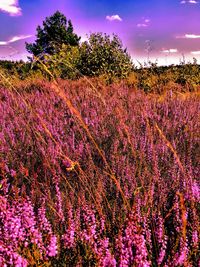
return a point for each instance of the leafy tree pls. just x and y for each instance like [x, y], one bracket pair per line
[102, 54]
[56, 31]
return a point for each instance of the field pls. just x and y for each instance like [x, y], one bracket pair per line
[96, 175]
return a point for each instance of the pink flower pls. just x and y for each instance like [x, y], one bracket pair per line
[52, 247]
[13, 173]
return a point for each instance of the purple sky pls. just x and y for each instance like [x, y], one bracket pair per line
[166, 28]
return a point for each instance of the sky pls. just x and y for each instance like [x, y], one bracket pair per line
[164, 30]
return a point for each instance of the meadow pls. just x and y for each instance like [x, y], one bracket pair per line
[98, 175]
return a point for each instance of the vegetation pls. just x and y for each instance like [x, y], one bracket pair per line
[56, 31]
[102, 54]
[58, 50]
[107, 179]
[66, 65]
[58, 46]
[154, 78]
[93, 174]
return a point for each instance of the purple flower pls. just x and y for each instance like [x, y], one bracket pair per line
[52, 248]
[13, 173]
[69, 236]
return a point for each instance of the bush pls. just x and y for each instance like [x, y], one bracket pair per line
[103, 55]
[64, 63]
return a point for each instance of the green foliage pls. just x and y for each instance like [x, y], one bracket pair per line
[100, 56]
[152, 78]
[19, 70]
[103, 55]
[56, 31]
[64, 63]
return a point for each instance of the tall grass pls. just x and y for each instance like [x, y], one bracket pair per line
[107, 179]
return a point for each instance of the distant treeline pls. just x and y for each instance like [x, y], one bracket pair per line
[147, 77]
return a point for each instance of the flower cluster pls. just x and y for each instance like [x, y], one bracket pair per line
[98, 179]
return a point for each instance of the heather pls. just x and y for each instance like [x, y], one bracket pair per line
[95, 175]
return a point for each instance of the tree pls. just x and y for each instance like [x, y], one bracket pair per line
[56, 31]
[102, 54]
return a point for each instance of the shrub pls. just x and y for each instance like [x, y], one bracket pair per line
[104, 55]
[63, 64]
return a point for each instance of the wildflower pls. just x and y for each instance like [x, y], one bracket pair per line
[89, 225]
[162, 251]
[196, 191]
[103, 252]
[195, 239]
[134, 241]
[69, 236]
[52, 247]
[13, 173]
[181, 256]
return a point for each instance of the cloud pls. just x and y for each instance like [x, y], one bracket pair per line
[192, 36]
[20, 37]
[114, 17]
[11, 7]
[189, 2]
[195, 52]
[15, 39]
[171, 50]
[144, 23]
[3, 43]
[188, 36]
[139, 25]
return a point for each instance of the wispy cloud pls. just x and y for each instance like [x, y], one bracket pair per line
[171, 50]
[18, 38]
[139, 25]
[188, 36]
[189, 2]
[195, 52]
[192, 36]
[3, 43]
[144, 23]
[11, 7]
[15, 39]
[114, 17]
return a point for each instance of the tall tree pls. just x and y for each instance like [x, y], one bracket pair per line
[56, 31]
